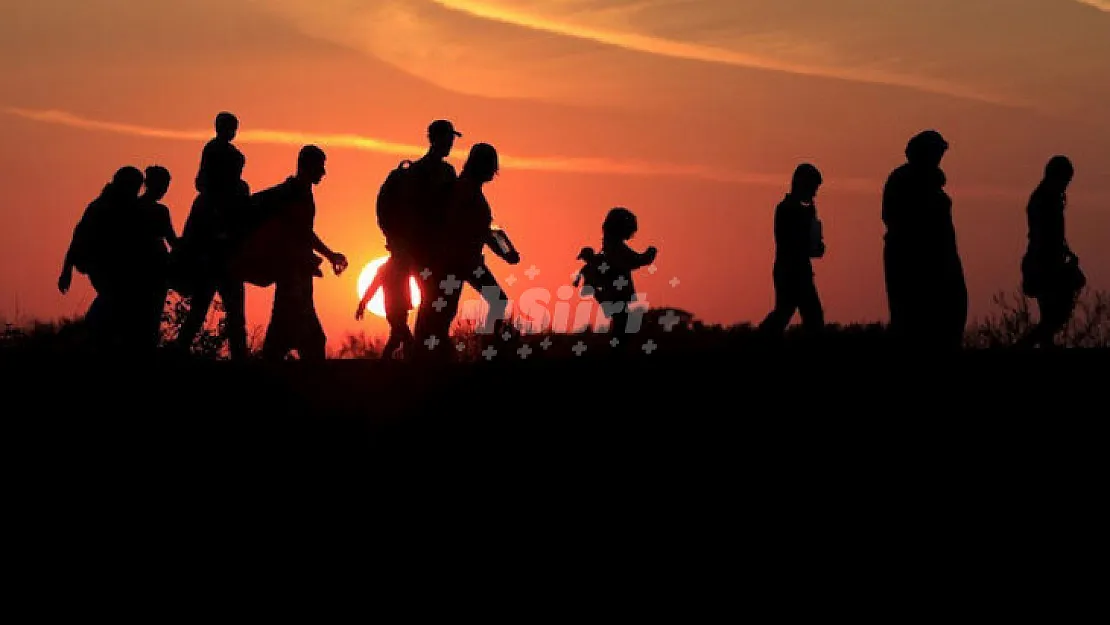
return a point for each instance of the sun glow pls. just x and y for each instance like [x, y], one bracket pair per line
[377, 302]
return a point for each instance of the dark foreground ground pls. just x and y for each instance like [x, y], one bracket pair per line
[821, 453]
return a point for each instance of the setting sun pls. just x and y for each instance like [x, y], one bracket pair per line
[377, 303]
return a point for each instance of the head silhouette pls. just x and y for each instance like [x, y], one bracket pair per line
[310, 164]
[481, 164]
[441, 137]
[806, 181]
[619, 225]
[157, 182]
[227, 126]
[926, 149]
[126, 183]
[1058, 172]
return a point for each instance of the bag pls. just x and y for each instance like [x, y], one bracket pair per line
[261, 255]
[395, 199]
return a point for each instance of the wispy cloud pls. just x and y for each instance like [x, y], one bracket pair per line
[1102, 5]
[581, 165]
[661, 46]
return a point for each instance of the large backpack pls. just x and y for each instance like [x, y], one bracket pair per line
[262, 253]
[395, 199]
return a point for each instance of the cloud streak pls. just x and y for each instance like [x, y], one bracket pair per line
[671, 48]
[554, 164]
[559, 164]
[1102, 5]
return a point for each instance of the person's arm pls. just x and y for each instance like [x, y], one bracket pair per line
[167, 229]
[369, 294]
[625, 256]
[65, 279]
[337, 260]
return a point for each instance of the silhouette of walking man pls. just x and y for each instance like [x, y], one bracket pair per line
[797, 241]
[1050, 270]
[294, 324]
[433, 180]
[100, 249]
[926, 291]
[209, 239]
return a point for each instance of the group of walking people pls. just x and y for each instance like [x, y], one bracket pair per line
[125, 243]
[437, 223]
[926, 291]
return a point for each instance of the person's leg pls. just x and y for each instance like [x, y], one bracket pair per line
[496, 301]
[278, 341]
[399, 334]
[1055, 310]
[786, 303]
[195, 315]
[810, 309]
[311, 342]
[233, 297]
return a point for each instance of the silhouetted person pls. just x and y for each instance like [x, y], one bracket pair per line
[212, 232]
[221, 163]
[926, 291]
[100, 249]
[797, 242]
[469, 228]
[432, 179]
[398, 303]
[608, 274]
[1050, 270]
[154, 238]
[294, 324]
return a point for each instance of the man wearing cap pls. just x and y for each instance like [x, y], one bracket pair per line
[435, 178]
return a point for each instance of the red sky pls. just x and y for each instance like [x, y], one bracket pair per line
[691, 113]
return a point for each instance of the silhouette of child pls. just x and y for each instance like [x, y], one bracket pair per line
[607, 275]
[393, 278]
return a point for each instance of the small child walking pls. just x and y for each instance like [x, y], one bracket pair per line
[607, 275]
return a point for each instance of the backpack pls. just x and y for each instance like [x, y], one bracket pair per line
[395, 198]
[262, 250]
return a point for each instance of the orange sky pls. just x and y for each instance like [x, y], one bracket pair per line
[691, 113]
